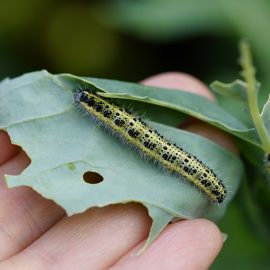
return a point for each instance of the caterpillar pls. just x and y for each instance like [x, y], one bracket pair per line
[132, 130]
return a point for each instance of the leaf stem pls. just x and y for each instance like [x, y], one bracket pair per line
[249, 76]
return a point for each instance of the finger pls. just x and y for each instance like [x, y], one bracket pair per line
[189, 244]
[92, 240]
[7, 149]
[24, 214]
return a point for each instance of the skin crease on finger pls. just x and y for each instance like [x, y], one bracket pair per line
[67, 234]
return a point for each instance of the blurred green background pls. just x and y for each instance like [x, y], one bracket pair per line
[133, 39]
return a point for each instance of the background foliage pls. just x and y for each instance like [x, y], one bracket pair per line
[130, 40]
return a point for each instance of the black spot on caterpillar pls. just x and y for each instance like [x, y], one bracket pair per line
[147, 141]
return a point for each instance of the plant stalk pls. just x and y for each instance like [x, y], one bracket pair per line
[249, 76]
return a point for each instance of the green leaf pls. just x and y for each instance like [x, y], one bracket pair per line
[266, 121]
[236, 89]
[37, 111]
[266, 115]
[233, 97]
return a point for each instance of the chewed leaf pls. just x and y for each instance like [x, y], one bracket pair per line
[38, 113]
[160, 219]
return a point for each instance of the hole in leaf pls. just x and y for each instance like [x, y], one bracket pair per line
[92, 177]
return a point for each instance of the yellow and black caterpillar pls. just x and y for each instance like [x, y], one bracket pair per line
[147, 141]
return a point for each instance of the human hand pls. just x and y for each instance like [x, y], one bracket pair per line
[36, 234]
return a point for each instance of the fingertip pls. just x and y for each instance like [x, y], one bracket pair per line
[199, 240]
[208, 239]
[208, 232]
[179, 80]
[187, 244]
